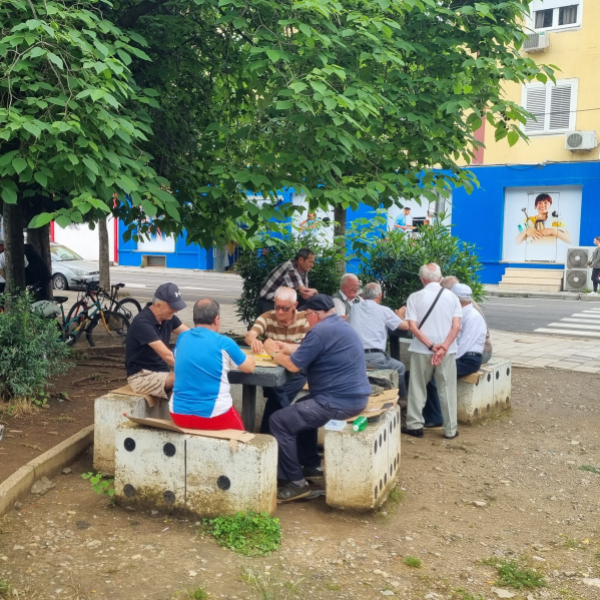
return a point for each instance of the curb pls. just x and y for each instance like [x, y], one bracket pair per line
[553, 296]
[47, 464]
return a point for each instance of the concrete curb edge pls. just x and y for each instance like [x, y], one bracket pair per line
[47, 464]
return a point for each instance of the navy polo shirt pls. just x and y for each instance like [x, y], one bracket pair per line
[333, 358]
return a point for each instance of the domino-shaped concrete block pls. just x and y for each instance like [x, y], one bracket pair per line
[204, 476]
[489, 396]
[389, 375]
[361, 467]
[108, 415]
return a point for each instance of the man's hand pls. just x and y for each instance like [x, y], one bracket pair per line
[271, 346]
[401, 312]
[439, 351]
[306, 293]
[257, 346]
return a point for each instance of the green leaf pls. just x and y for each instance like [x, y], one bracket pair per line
[32, 128]
[273, 55]
[513, 138]
[149, 208]
[63, 220]
[41, 178]
[40, 221]
[19, 164]
[9, 192]
[56, 60]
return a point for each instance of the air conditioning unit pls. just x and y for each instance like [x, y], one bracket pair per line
[577, 280]
[536, 42]
[580, 140]
[577, 258]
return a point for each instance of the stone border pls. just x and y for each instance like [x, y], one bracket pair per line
[47, 464]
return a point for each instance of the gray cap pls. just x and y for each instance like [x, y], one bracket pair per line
[462, 290]
[169, 293]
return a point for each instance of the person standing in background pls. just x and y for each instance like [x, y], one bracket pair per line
[595, 264]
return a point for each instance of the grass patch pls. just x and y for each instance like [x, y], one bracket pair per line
[571, 543]
[514, 575]
[333, 587]
[396, 496]
[248, 534]
[195, 594]
[268, 585]
[590, 469]
[5, 589]
[461, 594]
[411, 561]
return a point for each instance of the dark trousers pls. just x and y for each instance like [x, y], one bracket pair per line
[265, 305]
[286, 424]
[465, 365]
[280, 397]
[595, 278]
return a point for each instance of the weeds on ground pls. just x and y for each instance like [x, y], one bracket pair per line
[597, 555]
[514, 575]
[195, 594]
[248, 534]
[5, 589]
[411, 561]
[101, 486]
[590, 469]
[571, 543]
[461, 594]
[267, 585]
[396, 496]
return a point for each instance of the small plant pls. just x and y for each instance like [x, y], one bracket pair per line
[100, 485]
[571, 543]
[411, 561]
[333, 587]
[396, 496]
[267, 585]
[248, 534]
[195, 594]
[5, 589]
[590, 469]
[512, 574]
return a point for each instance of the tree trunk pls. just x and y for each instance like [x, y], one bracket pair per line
[40, 240]
[339, 235]
[14, 247]
[104, 254]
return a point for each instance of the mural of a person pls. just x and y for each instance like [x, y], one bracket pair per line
[538, 228]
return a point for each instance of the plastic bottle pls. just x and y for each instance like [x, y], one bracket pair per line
[359, 424]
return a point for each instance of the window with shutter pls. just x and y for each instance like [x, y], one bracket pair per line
[535, 103]
[560, 108]
[553, 106]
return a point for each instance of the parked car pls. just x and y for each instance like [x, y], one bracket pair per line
[68, 265]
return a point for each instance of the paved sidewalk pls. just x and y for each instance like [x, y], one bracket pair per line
[494, 291]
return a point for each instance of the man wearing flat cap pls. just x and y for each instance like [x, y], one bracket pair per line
[471, 337]
[332, 356]
[148, 360]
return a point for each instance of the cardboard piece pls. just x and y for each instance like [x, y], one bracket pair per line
[261, 360]
[127, 391]
[233, 435]
[379, 404]
[475, 377]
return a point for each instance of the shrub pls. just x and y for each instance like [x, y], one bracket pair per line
[255, 266]
[31, 351]
[394, 262]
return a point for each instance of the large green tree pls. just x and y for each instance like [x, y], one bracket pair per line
[72, 121]
[349, 100]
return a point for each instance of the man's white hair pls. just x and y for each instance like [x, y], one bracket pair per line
[430, 272]
[286, 293]
[346, 277]
[372, 291]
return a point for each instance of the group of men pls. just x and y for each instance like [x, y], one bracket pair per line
[329, 345]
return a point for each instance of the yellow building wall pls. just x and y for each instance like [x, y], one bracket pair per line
[577, 54]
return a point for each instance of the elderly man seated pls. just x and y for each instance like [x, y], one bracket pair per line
[347, 296]
[283, 325]
[201, 398]
[372, 321]
[147, 355]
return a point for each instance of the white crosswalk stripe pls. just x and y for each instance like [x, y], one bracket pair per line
[585, 323]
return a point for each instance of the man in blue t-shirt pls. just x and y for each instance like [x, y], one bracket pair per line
[332, 356]
[201, 398]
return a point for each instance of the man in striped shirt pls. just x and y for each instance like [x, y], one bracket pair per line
[283, 326]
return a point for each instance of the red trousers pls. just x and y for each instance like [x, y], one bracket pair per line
[229, 420]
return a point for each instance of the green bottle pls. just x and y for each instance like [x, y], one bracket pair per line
[359, 424]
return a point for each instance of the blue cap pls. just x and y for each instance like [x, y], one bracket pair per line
[169, 293]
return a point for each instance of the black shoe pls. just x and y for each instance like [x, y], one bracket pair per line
[451, 437]
[414, 432]
[290, 491]
[433, 425]
[313, 474]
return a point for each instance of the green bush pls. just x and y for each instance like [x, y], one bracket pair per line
[31, 351]
[394, 262]
[255, 266]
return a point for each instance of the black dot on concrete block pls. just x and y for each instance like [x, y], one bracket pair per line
[129, 444]
[169, 497]
[489, 377]
[129, 490]
[385, 479]
[375, 447]
[169, 449]
[391, 470]
[507, 400]
[380, 444]
[223, 483]
[476, 412]
[384, 435]
[497, 374]
[507, 371]
[375, 492]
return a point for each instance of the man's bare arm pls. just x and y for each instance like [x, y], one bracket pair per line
[180, 329]
[414, 329]
[284, 360]
[252, 340]
[247, 366]
[163, 351]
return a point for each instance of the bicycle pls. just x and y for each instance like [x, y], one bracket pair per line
[129, 307]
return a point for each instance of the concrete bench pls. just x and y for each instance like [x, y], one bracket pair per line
[108, 415]
[185, 473]
[485, 393]
[361, 467]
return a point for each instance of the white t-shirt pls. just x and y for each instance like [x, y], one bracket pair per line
[471, 337]
[3, 265]
[439, 322]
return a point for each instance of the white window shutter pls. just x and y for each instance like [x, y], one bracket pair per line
[560, 107]
[535, 103]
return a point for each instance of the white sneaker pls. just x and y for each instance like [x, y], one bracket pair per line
[592, 293]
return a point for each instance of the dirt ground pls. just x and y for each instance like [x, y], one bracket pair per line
[70, 408]
[539, 508]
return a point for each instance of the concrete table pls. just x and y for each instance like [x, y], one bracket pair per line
[394, 337]
[264, 376]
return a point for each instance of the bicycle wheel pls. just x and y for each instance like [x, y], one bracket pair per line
[112, 334]
[129, 308]
[78, 308]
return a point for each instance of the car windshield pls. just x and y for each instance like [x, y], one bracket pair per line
[61, 253]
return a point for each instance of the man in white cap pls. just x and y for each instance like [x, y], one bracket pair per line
[471, 337]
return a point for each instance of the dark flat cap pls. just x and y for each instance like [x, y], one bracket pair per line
[318, 302]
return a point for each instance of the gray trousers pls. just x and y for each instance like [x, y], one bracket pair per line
[382, 360]
[487, 356]
[421, 371]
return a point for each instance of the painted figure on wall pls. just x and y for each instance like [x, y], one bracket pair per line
[544, 226]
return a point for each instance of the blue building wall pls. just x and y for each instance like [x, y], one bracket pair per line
[479, 217]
